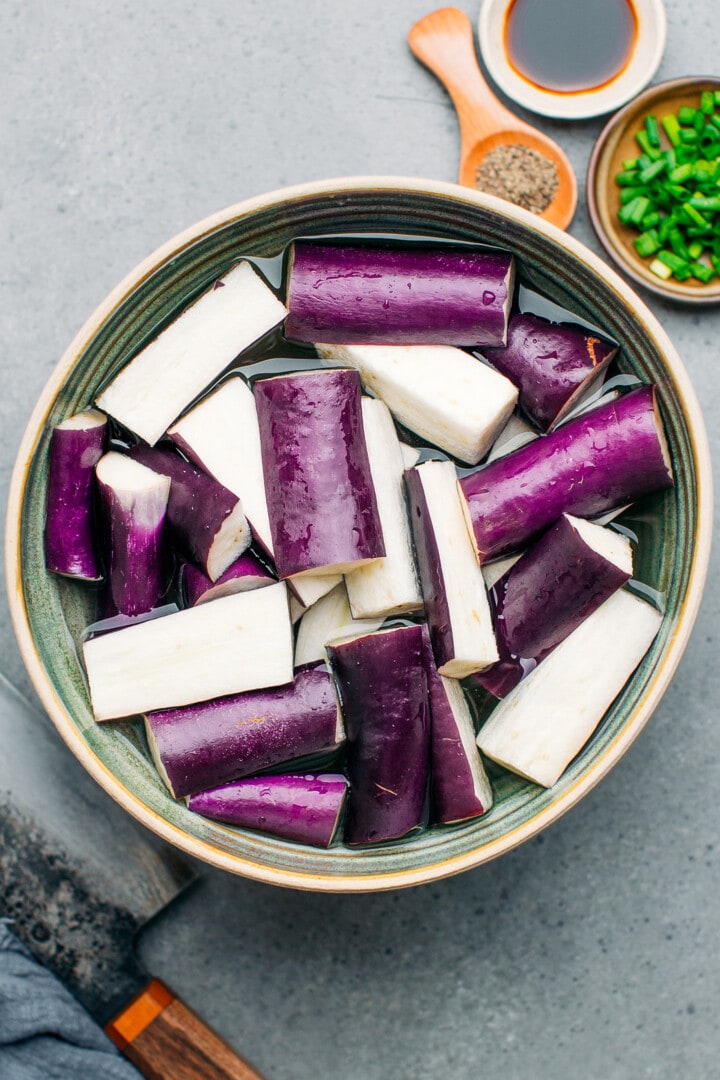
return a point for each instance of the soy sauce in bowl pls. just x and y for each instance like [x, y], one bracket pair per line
[570, 46]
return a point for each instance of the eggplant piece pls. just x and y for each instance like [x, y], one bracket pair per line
[162, 379]
[546, 720]
[604, 458]
[389, 586]
[383, 692]
[554, 365]
[459, 784]
[76, 446]
[222, 437]
[211, 743]
[205, 521]
[560, 580]
[133, 503]
[304, 808]
[412, 295]
[244, 574]
[410, 454]
[326, 620]
[320, 496]
[443, 394]
[454, 591]
[235, 644]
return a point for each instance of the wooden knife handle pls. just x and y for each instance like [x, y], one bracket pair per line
[165, 1040]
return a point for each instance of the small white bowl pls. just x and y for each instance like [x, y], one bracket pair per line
[576, 105]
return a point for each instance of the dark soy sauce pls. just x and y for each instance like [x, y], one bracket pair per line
[568, 46]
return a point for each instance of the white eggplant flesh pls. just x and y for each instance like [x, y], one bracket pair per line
[221, 436]
[441, 393]
[151, 391]
[389, 586]
[237, 643]
[411, 454]
[456, 601]
[310, 589]
[327, 620]
[546, 720]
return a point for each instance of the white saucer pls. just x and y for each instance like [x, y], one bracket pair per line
[646, 56]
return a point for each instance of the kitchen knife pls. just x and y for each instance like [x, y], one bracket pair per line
[79, 880]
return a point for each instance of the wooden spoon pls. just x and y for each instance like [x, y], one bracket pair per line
[444, 42]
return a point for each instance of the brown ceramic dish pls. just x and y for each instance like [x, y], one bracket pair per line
[674, 528]
[616, 144]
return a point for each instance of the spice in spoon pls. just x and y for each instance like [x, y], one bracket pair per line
[519, 175]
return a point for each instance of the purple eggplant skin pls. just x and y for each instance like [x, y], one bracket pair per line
[303, 808]
[244, 574]
[612, 455]
[137, 568]
[211, 743]
[429, 569]
[543, 597]
[383, 691]
[320, 494]
[552, 364]
[198, 508]
[76, 446]
[454, 792]
[413, 295]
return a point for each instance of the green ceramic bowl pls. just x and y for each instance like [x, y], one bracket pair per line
[50, 613]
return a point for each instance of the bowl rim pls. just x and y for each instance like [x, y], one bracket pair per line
[651, 17]
[654, 691]
[670, 290]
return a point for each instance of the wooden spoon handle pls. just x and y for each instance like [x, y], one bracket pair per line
[165, 1040]
[444, 42]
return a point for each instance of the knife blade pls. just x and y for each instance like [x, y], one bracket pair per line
[79, 880]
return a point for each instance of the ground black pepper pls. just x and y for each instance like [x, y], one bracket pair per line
[520, 175]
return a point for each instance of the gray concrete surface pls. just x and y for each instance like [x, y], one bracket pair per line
[592, 952]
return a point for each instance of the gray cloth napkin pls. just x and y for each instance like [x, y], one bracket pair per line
[44, 1033]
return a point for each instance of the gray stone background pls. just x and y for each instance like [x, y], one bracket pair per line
[592, 951]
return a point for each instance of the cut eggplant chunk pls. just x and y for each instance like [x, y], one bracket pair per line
[412, 295]
[221, 436]
[205, 521]
[157, 384]
[554, 365]
[327, 619]
[443, 394]
[391, 585]
[211, 743]
[411, 455]
[459, 784]
[606, 457]
[559, 581]
[382, 685]
[546, 720]
[320, 496]
[306, 809]
[76, 446]
[244, 574]
[454, 591]
[237, 643]
[133, 503]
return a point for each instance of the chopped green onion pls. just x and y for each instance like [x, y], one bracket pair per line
[702, 272]
[651, 128]
[672, 128]
[660, 269]
[670, 193]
